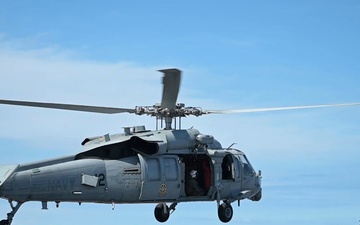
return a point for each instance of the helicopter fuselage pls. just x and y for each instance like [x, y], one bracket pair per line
[138, 167]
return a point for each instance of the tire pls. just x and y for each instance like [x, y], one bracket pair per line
[159, 213]
[225, 212]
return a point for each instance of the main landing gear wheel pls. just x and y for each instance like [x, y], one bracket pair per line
[161, 212]
[10, 215]
[225, 212]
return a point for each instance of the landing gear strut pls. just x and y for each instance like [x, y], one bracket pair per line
[11, 214]
[162, 211]
[225, 212]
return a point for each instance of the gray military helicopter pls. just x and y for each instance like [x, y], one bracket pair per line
[168, 165]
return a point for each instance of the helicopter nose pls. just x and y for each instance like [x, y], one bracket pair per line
[258, 195]
[258, 178]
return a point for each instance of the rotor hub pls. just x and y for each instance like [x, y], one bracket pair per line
[179, 111]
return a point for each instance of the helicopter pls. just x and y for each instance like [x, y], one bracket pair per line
[166, 166]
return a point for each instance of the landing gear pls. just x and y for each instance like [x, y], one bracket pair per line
[225, 212]
[11, 214]
[162, 211]
[4, 222]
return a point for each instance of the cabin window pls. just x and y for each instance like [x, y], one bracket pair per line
[171, 169]
[153, 169]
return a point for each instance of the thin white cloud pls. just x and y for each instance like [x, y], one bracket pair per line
[49, 75]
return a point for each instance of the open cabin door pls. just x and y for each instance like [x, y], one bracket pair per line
[160, 178]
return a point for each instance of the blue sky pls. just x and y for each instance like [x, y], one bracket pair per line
[234, 54]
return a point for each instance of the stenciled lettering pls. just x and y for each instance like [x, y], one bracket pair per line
[61, 184]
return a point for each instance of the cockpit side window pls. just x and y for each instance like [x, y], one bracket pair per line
[227, 166]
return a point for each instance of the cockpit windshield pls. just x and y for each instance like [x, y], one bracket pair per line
[247, 166]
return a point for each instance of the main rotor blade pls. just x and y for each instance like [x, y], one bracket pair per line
[83, 108]
[277, 108]
[171, 82]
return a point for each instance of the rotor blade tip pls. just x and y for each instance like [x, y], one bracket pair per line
[171, 70]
